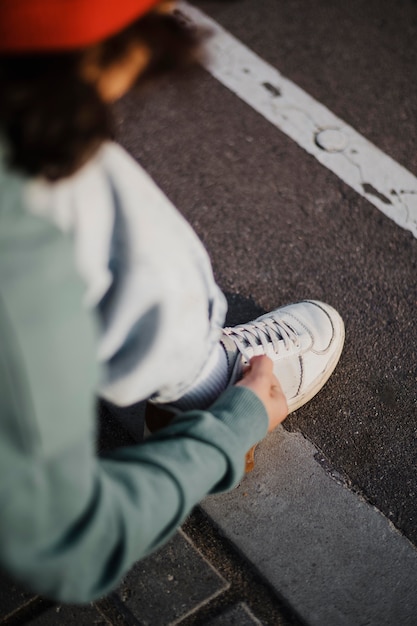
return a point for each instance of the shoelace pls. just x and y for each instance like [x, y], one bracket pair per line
[263, 333]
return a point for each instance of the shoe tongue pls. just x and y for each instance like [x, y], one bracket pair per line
[229, 342]
[230, 349]
[233, 355]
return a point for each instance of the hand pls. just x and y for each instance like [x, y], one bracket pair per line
[259, 378]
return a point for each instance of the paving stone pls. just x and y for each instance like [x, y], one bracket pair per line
[70, 616]
[238, 615]
[171, 583]
[11, 595]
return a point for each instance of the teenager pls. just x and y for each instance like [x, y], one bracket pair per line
[104, 288]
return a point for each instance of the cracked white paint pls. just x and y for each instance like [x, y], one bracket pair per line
[360, 164]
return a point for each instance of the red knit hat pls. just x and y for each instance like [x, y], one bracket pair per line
[46, 25]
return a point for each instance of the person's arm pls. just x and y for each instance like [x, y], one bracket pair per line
[72, 525]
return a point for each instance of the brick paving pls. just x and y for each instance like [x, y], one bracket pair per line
[198, 578]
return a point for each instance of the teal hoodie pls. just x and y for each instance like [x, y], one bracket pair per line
[71, 523]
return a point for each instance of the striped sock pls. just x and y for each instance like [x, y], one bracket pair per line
[211, 382]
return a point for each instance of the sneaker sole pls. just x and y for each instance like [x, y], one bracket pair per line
[310, 392]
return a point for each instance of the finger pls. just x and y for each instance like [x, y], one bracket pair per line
[276, 385]
[261, 366]
[259, 371]
[246, 370]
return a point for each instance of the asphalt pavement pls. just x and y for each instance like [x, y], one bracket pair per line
[324, 531]
[280, 227]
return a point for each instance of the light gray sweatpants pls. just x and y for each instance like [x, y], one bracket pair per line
[147, 275]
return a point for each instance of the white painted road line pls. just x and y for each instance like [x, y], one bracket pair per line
[356, 161]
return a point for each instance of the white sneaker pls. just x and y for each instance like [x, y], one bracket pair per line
[304, 340]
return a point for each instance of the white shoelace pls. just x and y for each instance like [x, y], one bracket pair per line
[265, 333]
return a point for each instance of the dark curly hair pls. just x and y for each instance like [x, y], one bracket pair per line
[52, 120]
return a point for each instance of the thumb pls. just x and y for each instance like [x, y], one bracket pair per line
[259, 367]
